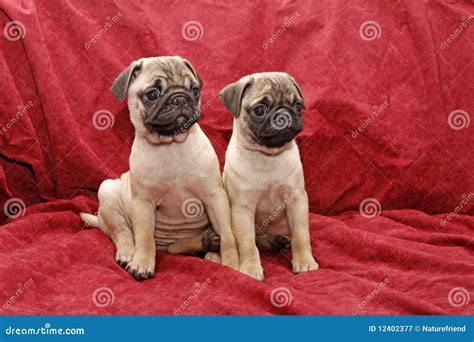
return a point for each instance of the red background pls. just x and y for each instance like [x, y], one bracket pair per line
[408, 157]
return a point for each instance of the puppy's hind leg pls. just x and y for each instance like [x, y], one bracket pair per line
[113, 222]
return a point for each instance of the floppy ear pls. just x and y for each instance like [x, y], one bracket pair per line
[122, 82]
[232, 95]
[297, 88]
[190, 67]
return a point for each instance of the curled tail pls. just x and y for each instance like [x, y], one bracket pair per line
[90, 220]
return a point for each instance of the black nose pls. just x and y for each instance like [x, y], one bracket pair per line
[180, 101]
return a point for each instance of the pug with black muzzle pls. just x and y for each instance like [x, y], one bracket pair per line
[172, 198]
[263, 174]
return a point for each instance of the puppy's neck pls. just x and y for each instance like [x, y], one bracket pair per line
[245, 142]
[158, 139]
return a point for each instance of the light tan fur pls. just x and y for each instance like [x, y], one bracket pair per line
[260, 179]
[143, 210]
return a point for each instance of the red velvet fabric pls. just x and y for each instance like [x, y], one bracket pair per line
[378, 124]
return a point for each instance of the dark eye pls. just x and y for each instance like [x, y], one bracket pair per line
[152, 95]
[259, 110]
[298, 107]
[195, 91]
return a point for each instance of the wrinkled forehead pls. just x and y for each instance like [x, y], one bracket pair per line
[276, 88]
[167, 72]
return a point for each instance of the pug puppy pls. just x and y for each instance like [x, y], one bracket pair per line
[263, 174]
[173, 191]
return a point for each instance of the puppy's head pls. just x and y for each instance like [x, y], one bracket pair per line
[267, 108]
[163, 97]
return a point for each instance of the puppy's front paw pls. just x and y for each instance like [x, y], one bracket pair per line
[252, 270]
[303, 264]
[141, 268]
[211, 241]
[213, 256]
[123, 257]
